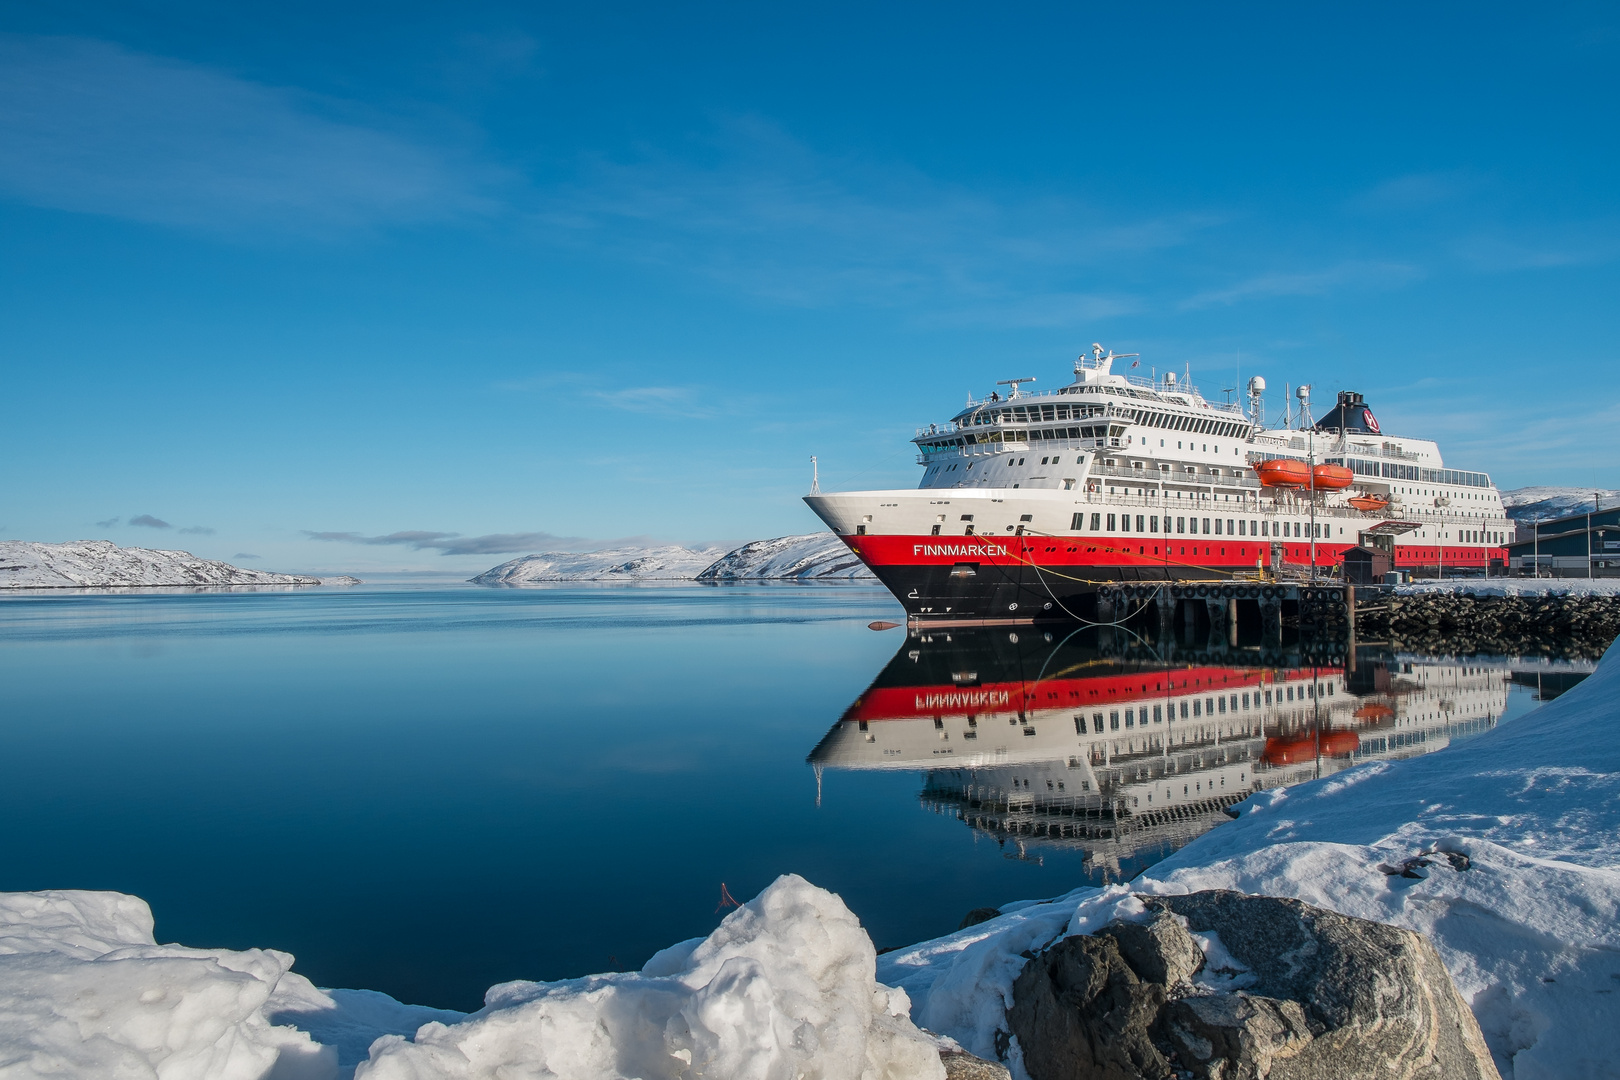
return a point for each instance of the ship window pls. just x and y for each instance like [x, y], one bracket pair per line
[1154, 523]
[967, 517]
[1217, 526]
[936, 530]
[1113, 720]
[1125, 523]
[1020, 461]
[1110, 522]
[1139, 523]
[1096, 521]
[1241, 531]
[1078, 523]
[1181, 524]
[1026, 517]
[860, 530]
[1097, 722]
[1206, 529]
[1253, 528]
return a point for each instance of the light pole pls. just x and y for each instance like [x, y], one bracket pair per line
[1440, 502]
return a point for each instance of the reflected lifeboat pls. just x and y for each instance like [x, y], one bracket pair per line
[1301, 748]
[1369, 504]
[1283, 473]
[1373, 711]
[1332, 477]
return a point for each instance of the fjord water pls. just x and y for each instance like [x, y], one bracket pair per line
[428, 791]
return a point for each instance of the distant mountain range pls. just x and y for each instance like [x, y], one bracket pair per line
[1528, 503]
[91, 564]
[811, 557]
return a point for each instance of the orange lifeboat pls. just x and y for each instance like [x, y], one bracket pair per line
[1373, 712]
[1306, 747]
[1369, 504]
[1283, 473]
[1332, 477]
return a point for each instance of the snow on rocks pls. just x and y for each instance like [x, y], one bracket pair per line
[1512, 840]
[818, 556]
[784, 988]
[671, 563]
[1514, 587]
[84, 564]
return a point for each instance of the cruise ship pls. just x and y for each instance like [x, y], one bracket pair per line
[1029, 501]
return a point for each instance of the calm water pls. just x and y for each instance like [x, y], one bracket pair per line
[429, 791]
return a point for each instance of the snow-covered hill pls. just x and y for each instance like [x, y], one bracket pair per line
[1527, 503]
[812, 557]
[670, 563]
[83, 564]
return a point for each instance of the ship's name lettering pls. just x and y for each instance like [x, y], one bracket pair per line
[957, 549]
[957, 699]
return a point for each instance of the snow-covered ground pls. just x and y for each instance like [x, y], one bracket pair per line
[1524, 504]
[812, 557]
[1512, 843]
[1516, 587]
[103, 564]
[784, 987]
[670, 563]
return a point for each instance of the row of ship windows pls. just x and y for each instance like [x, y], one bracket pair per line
[1207, 707]
[1239, 527]
[1233, 526]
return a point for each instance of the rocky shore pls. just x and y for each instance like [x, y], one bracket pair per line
[1462, 622]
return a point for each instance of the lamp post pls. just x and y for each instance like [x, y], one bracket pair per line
[1440, 502]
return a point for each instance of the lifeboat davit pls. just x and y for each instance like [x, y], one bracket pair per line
[1292, 751]
[1283, 473]
[1369, 504]
[1332, 477]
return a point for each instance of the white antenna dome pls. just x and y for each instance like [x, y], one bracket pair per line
[1257, 385]
[1303, 392]
[1169, 378]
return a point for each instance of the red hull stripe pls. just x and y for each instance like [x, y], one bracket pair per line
[1176, 554]
[912, 702]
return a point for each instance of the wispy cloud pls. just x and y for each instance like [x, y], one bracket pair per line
[456, 544]
[93, 127]
[150, 522]
[766, 215]
[1416, 191]
[109, 523]
[1345, 275]
[197, 530]
[244, 555]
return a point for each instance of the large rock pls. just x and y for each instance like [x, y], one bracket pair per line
[1323, 997]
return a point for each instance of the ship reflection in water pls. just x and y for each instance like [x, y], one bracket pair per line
[1094, 741]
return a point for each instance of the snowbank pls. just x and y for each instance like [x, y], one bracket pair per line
[1516, 587]
[670, 563]
[812, 557]
[783, 988]
[1504, 851]
[103, 564]
[85, 991]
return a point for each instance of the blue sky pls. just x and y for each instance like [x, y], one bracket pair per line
[369, 286]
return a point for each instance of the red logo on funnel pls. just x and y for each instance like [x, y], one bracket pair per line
[1372, 424]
